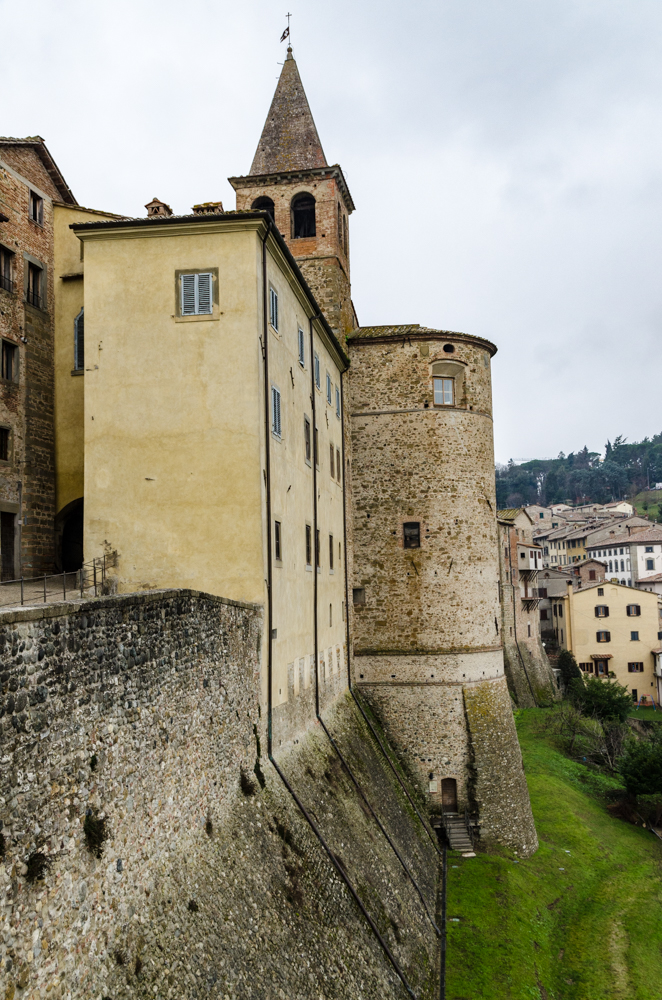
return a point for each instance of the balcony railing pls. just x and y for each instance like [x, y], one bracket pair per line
[34, 298]
[6, 283]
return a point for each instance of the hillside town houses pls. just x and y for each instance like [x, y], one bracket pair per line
[593, 558]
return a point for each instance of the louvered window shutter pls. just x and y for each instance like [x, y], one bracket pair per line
[302, 348]
[188, 294]
[275, 398]
[204, 293]
[79, 346]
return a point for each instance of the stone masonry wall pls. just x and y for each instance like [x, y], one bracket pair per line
[26, 403]
[138, 717]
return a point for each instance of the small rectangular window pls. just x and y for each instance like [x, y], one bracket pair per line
[601, 611]
[277, 541]
[328, 388]
[34, 293]
[634, 637]
[338, 402]
[358, 595]
[307, 446]
[330, 615]
[412, 534]
[273, 308]
[275, 411]
[650, 564]
[309, 545]
[316, 449]
[6, 261]
[635, 668]
[560, 611]
[601, 591]
[9, 361]
[317, 548]
[4, 444]
[332, 453]
[543, 614]
[603, 636]
[591, 574]
[196, 297]
[443, 391]
[36, 208]
[302, 349]
[633, 610]
[330, 551]
[338, 465]
[649, 548]
[318, 377]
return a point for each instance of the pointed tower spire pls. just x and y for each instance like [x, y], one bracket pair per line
[289, 139]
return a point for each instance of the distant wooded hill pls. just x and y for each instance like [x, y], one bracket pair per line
[582, 477]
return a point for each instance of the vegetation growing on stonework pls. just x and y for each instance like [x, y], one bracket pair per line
[38, 864]
[96, 833]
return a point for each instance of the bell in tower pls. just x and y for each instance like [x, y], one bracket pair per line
[308, 200]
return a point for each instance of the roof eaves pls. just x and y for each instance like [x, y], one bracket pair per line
[37, 143]
[155, 221]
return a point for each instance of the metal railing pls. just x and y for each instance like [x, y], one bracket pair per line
[6, 283]
[89, 579]
[34, 298]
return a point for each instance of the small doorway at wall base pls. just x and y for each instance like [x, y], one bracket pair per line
[7, 544]
[69, 536]
[449, 794]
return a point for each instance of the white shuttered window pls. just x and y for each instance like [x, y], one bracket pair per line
[302, 349]
[196, 294]
[275, 411]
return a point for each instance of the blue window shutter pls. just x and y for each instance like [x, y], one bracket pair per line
[188, 294]
[204, 283]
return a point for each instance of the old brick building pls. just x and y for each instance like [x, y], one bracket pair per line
[530, 677]
[30, 184]
[308, 199]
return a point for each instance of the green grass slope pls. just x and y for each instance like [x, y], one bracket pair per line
[581, 919]
[649, 504]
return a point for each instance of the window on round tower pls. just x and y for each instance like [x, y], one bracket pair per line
[264, 204]
[303, 217]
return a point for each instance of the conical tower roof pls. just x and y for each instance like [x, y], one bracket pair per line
[289, 139]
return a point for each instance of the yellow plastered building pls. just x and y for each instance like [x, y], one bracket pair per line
[612, 631]
[207, 366]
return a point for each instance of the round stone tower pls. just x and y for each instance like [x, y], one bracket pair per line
[427, 650]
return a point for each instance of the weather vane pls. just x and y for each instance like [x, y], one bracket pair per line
[286, 33]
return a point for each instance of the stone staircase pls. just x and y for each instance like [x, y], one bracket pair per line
[456, 832]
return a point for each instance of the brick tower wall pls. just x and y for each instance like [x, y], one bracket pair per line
[427, 651]
[322, 258]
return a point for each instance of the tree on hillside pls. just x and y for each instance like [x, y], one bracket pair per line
[567, 664]
[603, 699]
[641, 766]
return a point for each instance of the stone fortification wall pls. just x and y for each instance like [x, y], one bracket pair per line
[426, 630]
[131, 729]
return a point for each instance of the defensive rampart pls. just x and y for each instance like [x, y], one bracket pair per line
[150, 848]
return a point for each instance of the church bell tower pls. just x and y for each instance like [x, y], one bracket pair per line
[308, 200]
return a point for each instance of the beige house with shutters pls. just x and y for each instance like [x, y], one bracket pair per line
[612, 631]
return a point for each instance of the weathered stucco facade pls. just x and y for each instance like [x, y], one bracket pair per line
[426, 636]
[528, 671]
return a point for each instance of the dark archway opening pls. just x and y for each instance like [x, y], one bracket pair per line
[303, 217]
[69, 535]
[265, 204]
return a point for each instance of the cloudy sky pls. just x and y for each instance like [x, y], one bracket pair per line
[505, 157]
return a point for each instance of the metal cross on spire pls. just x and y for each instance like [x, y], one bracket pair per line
[286, 33]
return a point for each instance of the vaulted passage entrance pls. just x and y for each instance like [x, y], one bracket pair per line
[449, 794]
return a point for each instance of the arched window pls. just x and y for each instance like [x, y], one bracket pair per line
[79, 342]
[303, 216]
[265, 204]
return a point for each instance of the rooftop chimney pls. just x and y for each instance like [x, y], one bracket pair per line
[208, 208]
[157, 208]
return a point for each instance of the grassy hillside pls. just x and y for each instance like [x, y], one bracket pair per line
[581, 919]
[649, 504]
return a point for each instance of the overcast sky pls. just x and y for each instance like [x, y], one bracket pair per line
[505, 158]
